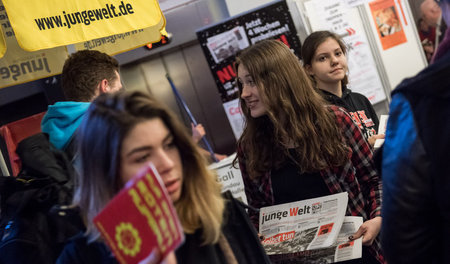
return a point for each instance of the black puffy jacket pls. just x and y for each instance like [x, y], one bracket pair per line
[416, 169]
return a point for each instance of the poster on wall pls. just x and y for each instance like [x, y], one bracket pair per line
[220, 43]
[338, 17]
[387, 19]
[19, 66]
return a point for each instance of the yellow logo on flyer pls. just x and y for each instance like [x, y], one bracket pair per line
[128, 239]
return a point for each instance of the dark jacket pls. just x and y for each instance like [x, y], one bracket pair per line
[416, 169]
[32, 228]
[237, 228]
[359, 108]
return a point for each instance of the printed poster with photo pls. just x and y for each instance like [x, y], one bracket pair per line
[220, 42]
[225, 45]
[387, 19]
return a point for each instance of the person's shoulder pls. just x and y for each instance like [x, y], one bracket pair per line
[362, 102]
[338, 111]
[341, 115]
[359, 96]
[73, 250]
[79, 250]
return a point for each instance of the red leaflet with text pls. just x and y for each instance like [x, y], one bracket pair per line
[140, 218]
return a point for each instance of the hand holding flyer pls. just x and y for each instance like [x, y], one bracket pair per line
[381, 130]
[139, 219]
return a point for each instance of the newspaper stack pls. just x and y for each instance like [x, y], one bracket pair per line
[311, 230]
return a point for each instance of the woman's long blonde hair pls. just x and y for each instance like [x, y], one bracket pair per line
[294, 113]
[107, 122]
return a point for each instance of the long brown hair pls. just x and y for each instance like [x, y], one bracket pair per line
[294, 111]
[108, 121]
[313, 41]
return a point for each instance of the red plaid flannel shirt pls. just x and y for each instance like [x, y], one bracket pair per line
[364, 192]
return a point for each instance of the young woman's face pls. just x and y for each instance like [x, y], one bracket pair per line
[250, 93]
[151, 141]
[329, 64]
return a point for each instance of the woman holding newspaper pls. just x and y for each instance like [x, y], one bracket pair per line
[295, 147]
[120, 134]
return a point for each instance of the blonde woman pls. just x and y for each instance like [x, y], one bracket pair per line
[120, 134]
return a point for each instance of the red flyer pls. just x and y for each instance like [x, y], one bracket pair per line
[140, 218]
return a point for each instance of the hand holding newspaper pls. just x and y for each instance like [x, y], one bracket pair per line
[140, 218]
[311, 229]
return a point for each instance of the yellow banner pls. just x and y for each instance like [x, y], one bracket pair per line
[41, 24]
[122, 42]
[18, 66]
[2, 43]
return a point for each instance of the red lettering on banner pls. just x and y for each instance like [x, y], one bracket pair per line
[283, 39]
[226, 73]
[234, 110]
[279, 238]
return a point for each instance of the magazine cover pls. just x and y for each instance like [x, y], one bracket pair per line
[140, 218]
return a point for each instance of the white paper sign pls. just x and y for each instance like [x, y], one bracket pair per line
[381, 130]
[230, 177]
[233, 111]
[354, 3]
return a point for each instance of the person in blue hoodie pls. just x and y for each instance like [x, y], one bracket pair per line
[86, 74]
[47, 171]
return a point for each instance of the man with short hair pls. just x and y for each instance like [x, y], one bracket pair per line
[86, 74]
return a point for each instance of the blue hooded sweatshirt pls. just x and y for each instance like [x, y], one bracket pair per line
[61, 121]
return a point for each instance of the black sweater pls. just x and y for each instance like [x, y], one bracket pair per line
[359, 108]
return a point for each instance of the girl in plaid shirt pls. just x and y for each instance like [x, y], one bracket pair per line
[295, 147]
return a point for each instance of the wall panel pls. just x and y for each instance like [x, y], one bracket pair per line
[191, 75]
